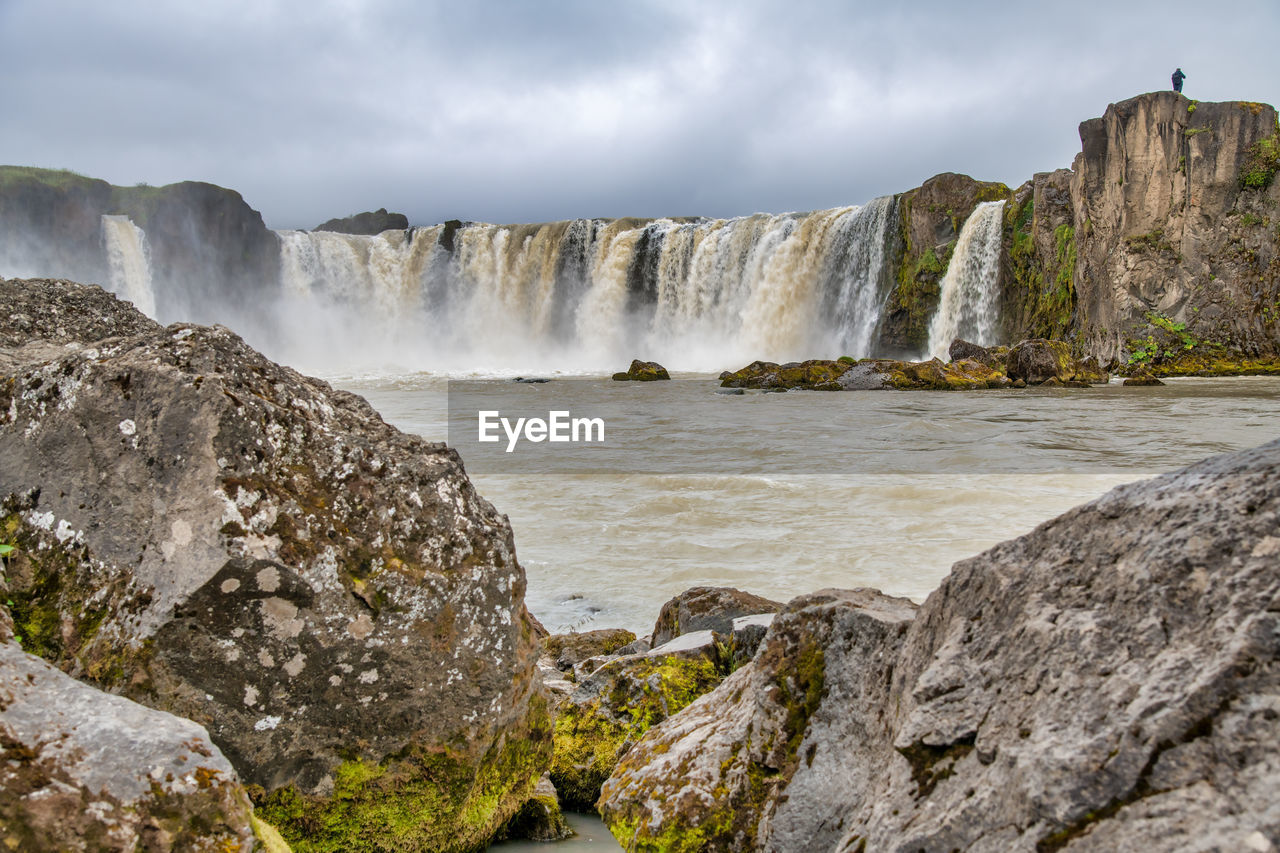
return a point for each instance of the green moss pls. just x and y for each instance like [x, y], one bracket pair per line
[1044, 292]
[424, 798]
[591, 738]
[1261, 164]
[588, 744]
[268, 837]
[732, 823]
[59, 606]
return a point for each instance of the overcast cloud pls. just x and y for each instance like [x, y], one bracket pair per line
[530, 111]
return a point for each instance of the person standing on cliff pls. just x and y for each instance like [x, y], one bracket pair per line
[1178, 77]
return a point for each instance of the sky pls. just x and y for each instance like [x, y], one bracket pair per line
[555, 109]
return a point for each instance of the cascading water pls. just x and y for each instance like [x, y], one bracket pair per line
[129, 262]
[968, 306]
[587, 295]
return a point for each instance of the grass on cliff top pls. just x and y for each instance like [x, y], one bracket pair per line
[60, 178]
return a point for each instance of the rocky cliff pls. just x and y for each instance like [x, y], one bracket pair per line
[929, 221]
[1160, 246]
[209, 249]
[1176, 224]
[213, 535]
[1107, 682]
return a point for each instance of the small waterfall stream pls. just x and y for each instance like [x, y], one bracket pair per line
[129, 262]
[968, 306]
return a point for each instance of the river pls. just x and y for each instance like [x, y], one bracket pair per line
[782, 494]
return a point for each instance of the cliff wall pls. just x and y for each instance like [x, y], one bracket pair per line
[207, 245]
[1175, 225]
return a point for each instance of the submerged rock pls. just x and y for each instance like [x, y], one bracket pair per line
[1142, 379]
[84, 770]
[642, 371]
[1108, 681]
[214, 535]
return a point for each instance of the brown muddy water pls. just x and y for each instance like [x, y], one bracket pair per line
[782, 494]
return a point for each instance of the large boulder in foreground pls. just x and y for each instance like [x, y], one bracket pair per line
[214, 535]
[83, 770]
[1109, 681]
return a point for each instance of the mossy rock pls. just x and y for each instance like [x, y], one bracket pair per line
[427, 798]
[811, 375]
[643, 371]
[613, 709]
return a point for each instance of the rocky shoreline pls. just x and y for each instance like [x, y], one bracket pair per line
[267, 618]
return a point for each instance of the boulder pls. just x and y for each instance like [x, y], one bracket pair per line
[214, 535]
[1106, 682]
[1036, 361]
[866, 375]
[782, 729]
[1142, 379]
[961, 349]
[85, 770]
[613, 706]
[707, 608]
[642, 371]
[369, 223]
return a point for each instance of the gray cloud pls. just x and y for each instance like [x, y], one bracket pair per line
[513, 111]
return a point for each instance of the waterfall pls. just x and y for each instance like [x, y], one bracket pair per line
[587, 295]
[968, 305]
[129, 262]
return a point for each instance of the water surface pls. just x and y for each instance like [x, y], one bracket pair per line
[782, 494]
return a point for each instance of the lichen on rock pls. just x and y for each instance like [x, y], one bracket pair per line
[217, 536]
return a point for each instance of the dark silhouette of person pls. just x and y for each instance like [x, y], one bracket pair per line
[1178, 77]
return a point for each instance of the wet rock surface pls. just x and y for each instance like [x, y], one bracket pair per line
[83, 770]
[1109, 681]
[217, 536]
